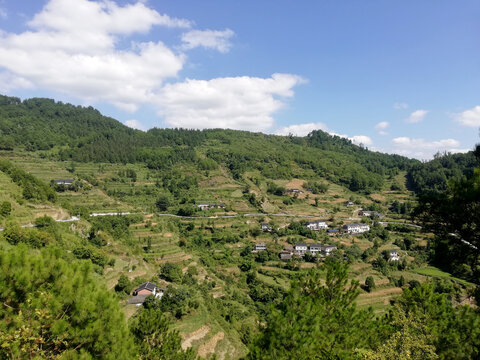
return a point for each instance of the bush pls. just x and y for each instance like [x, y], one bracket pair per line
[5, 208]
[369, 283]
[123, 285]
[171, 272]
[162, 203]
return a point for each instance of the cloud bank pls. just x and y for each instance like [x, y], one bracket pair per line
[424, 149]
[88, 60]
[245, 103]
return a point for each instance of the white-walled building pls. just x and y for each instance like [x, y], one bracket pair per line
[316, 225]
[356, 228]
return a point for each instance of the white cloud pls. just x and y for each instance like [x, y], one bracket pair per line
[245, 103]
[301, 129]
[73, 47]
[66, 53]
[381, 127]
[469, 117]
[212, 39]
[361, 140]
[416, 116]
[424, 149]
[104, 17]
[10, 81]
[135, 124]
[400, 106]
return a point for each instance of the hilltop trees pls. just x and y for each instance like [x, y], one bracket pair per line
[82, 134]
[454, 217]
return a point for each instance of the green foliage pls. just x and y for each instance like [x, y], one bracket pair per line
[33, 188]
[176, 300]
[54, 308]
[403, 208]
[434, 175]
[454, 332]
[410, 341]
[207, 164]
[454, 217]
[186, 210]
[171, 272]
[96, 257]
[5, 208]
[275, 189]
[162, 203]
[84, 135]
[118, 226]
[353, 253]
[15, 235]
[316, 188]
[369, 283]
[154, 339]
[123, 285]
[315, 321]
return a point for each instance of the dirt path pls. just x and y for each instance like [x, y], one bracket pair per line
[196, 335]
[210, 345]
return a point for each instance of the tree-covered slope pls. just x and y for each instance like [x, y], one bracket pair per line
[81, 134]
[434, 175]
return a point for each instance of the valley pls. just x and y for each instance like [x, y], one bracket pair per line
[190, 223]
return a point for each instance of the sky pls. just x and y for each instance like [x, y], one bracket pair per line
[394, 76]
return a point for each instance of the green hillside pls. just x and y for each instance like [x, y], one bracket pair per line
[222, 299]
[67, 132]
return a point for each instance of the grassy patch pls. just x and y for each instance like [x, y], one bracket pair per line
[435, 272]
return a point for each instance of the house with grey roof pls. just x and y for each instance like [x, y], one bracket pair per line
[144, 290]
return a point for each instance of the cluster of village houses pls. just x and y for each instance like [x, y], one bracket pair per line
[300, 249]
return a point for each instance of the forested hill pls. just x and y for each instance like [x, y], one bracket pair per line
[83, 134]
[434, 175]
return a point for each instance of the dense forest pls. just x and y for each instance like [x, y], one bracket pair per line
[82, 134]
[69, 132]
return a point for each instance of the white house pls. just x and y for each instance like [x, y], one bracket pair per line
[294, 191]
[266, 227]
[205, 206]
[315, 249]
[260, 247]
[369, 213]
[356, 228]
[393, 255]
[327, 249]
[65, 182]
[316, 225]
[301, 248]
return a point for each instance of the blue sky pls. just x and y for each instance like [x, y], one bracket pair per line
[396, 76]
